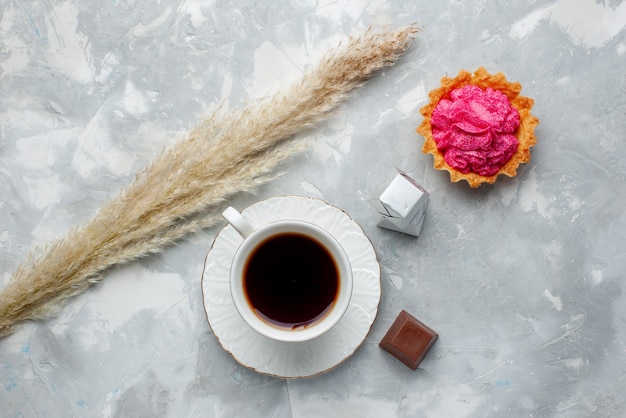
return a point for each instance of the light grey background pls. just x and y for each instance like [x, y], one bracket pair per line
[523, 280]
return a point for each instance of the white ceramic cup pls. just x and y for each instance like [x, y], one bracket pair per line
[253, 238]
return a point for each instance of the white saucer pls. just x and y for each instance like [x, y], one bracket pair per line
[302, 359]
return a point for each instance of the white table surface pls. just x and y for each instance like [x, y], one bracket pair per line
[523, 280]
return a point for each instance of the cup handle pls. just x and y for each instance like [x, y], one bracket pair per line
[237, 221]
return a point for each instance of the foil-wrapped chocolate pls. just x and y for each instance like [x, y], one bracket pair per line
[402, 206]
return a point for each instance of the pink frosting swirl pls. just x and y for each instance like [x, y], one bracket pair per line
[474, 129]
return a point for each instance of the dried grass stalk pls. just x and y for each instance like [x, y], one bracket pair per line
[184, 189]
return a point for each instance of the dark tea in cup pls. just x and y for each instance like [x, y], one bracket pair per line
[291, 280]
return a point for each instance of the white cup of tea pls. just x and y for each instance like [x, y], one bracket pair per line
[290, 280]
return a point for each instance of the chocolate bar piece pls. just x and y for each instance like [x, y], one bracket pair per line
[408, 340]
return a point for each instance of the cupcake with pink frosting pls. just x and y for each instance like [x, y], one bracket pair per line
[477, 126]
